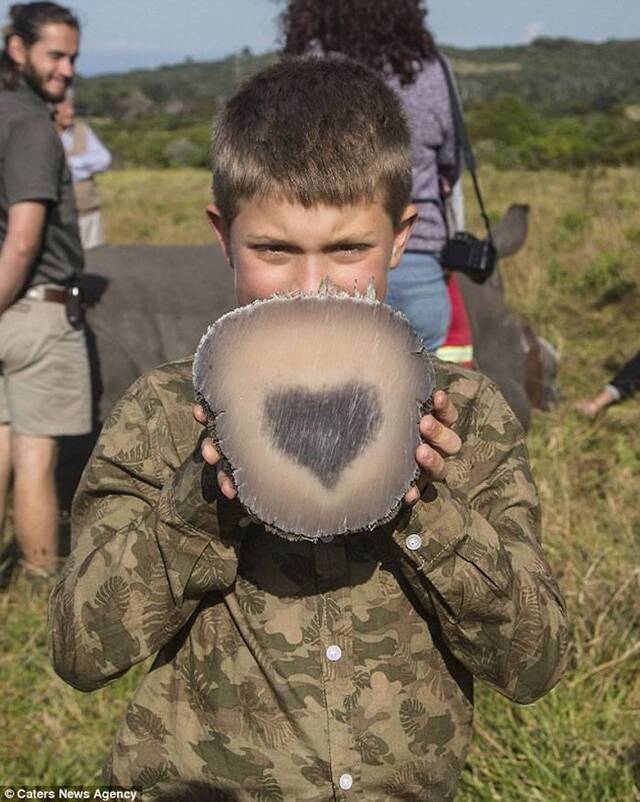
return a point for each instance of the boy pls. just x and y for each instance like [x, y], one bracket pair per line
[306, 671]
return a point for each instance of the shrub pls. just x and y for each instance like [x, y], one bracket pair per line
[575, 221]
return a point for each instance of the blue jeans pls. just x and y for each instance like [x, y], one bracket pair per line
[417, 289]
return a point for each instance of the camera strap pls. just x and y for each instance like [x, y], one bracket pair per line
[463, 141]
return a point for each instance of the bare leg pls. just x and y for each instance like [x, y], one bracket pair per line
[5, 470]
[35, 504]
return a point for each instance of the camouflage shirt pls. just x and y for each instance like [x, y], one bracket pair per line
[337, 670]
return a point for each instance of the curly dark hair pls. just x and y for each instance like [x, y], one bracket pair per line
[382, 34]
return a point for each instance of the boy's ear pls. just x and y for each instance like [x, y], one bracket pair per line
[221, 229]
[403, 232]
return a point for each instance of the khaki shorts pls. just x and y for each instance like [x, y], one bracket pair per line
[45, 385]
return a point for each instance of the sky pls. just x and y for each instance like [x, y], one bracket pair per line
[126, 34]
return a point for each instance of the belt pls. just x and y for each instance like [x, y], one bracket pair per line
[41, 293]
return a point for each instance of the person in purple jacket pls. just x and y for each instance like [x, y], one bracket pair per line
[390, 36]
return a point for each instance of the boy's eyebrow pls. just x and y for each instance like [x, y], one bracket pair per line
[273, 242]
[349, 242]
[366, 239]
[265, 239]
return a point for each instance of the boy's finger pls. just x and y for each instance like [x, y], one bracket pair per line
[211, 455]
[226, 485]
[431, 462]
[440, 436]
[414, 493]
[199, 414]
[411, 496]
[209, 452]
[444, 409]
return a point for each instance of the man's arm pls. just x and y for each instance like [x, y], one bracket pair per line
[149, 543]
[31, 167]
[475, 562]
[95, 159]
[21, 245]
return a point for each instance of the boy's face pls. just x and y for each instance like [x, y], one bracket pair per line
[275, 246]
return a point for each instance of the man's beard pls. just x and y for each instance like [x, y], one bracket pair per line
[37, 83]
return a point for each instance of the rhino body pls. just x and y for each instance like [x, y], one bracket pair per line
[148, 305]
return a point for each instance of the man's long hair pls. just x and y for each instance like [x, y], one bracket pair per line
[25, 21]
[383, 34]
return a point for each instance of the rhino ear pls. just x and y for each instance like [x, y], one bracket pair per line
[221, 229]
[510, 233]
[315, 404]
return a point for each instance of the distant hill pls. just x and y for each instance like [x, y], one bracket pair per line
[551, 76]
[553, 103]
[193, 87]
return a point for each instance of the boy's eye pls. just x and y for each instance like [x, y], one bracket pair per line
[340, 249]
[351, 249]
[275, 248]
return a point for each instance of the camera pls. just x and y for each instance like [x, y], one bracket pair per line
[470, 255]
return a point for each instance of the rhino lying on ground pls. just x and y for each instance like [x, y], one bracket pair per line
[145, 305]
[150, 304]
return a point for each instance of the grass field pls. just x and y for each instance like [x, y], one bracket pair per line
[578, 280]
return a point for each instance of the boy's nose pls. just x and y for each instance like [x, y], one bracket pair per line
[310, 274]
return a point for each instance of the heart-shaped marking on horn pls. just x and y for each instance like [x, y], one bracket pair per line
[323, 430]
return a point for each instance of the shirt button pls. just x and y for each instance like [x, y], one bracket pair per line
[413, 542]
[327, 538]
[334, 653]
[346, 781]
[244, 522]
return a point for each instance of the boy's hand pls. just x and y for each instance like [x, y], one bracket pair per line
[440, 442]
[211, 455]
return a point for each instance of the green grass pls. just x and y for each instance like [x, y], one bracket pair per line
[49, 733]
[157, 206]
[577, 280]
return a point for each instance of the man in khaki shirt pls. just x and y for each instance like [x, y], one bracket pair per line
[332, 670]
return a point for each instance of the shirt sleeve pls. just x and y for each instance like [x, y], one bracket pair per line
[627, 381]
[95, 159]
[474, 559]
[145, 551]
[32, 162]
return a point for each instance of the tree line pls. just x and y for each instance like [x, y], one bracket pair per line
[553, 103]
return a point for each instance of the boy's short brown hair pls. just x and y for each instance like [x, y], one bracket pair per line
[313, 131]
